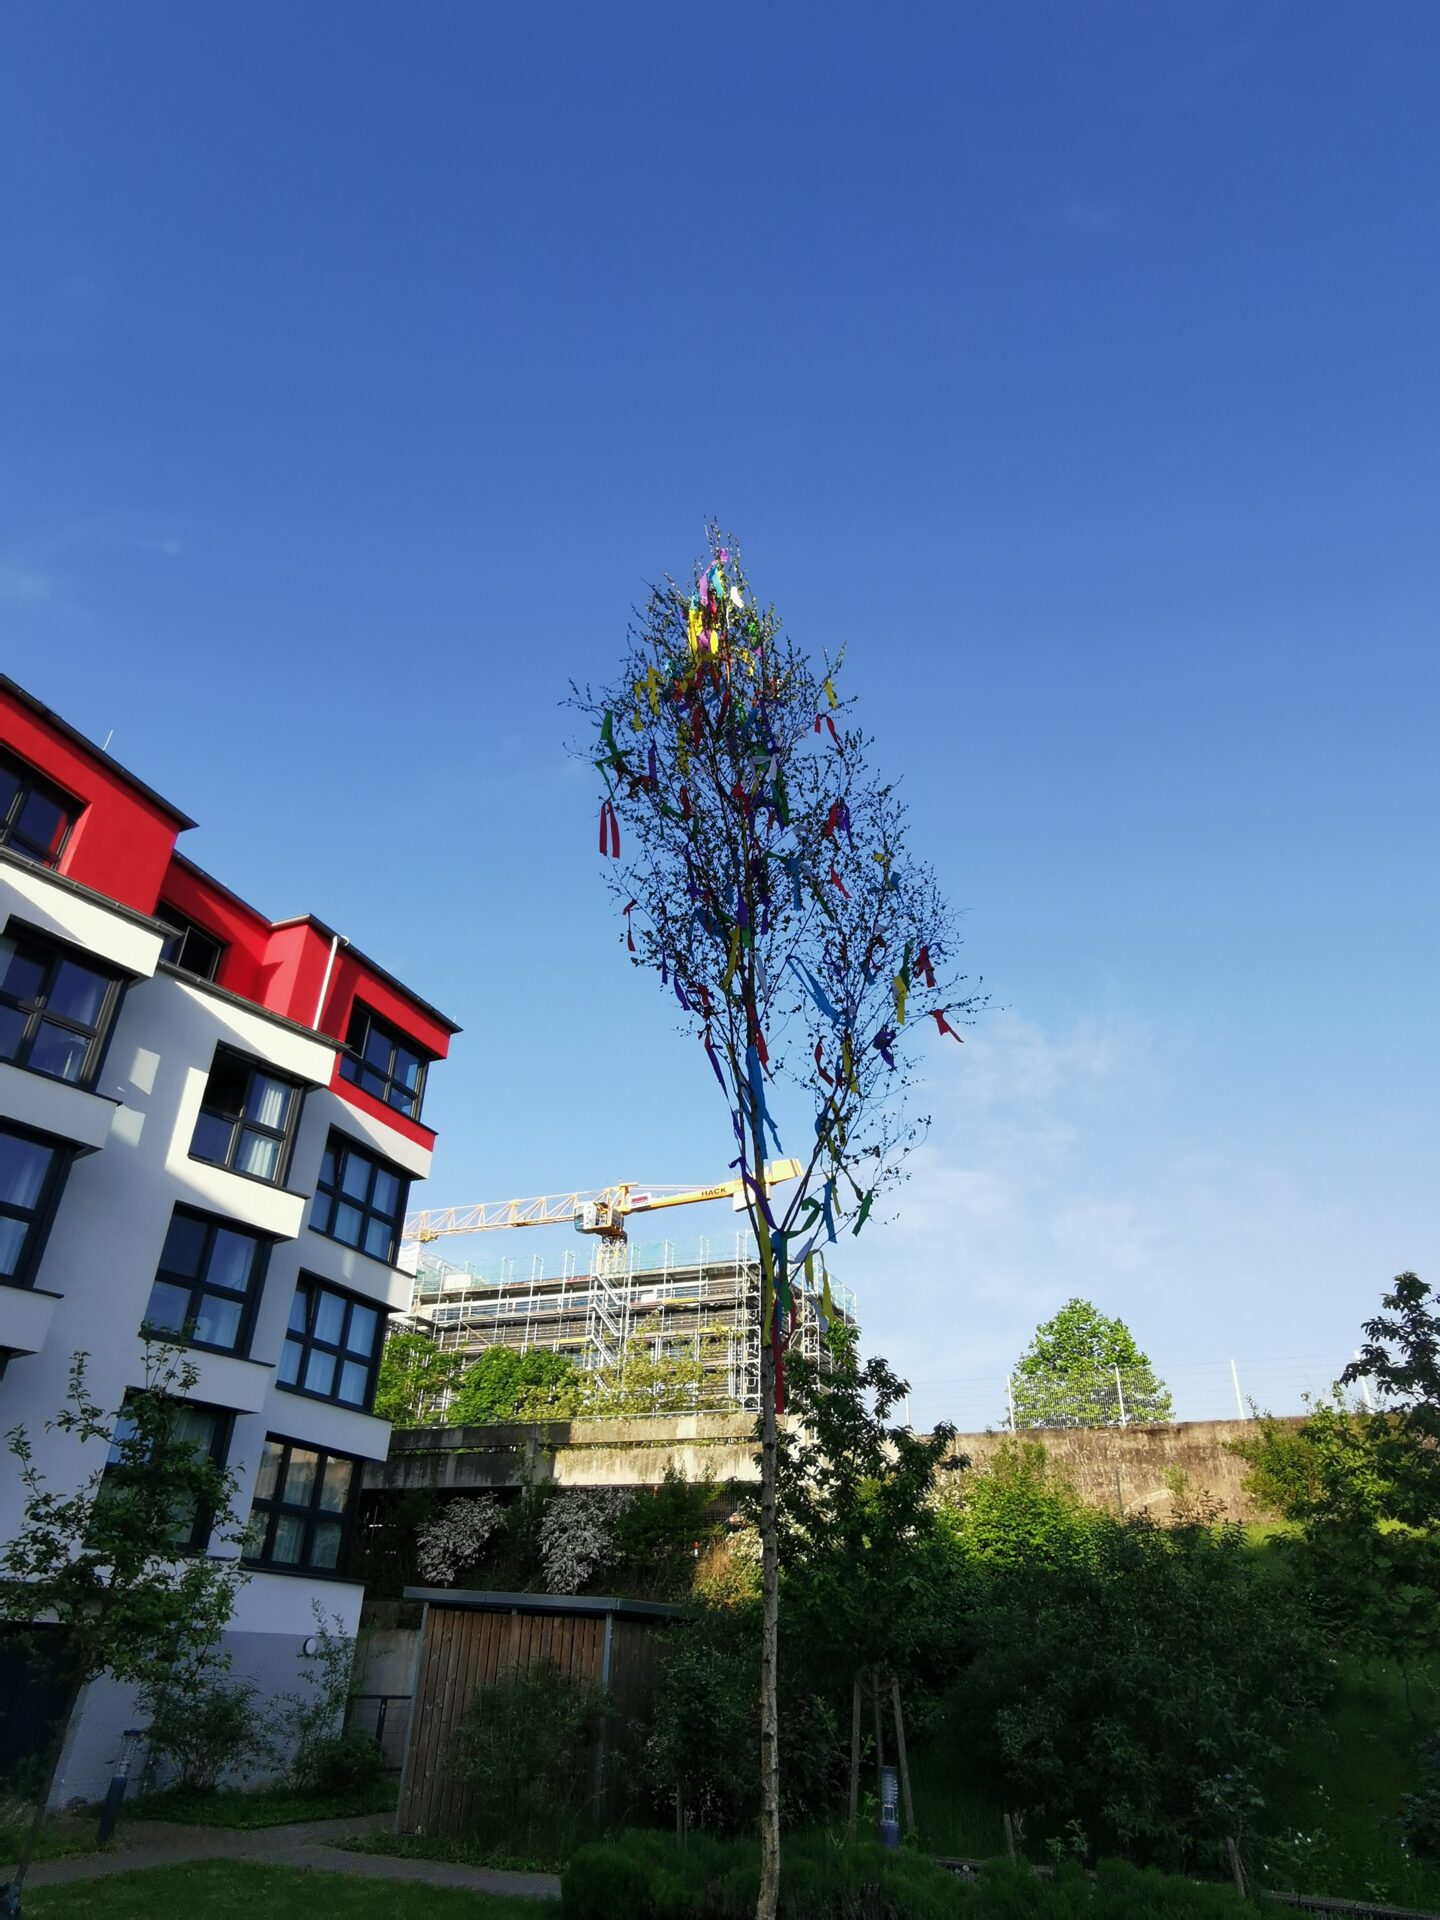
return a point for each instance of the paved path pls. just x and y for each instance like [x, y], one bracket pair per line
[312, 1843]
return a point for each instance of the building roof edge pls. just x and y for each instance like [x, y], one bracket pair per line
[76, 738]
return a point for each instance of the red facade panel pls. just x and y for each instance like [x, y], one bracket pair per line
[122, 841]
[244, 932]
[122, 846]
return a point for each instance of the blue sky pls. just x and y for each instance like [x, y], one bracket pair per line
[1073, 365]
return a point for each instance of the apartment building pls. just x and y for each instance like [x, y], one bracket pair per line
[210, 1123]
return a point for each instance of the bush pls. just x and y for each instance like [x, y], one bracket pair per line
[1420, 1812]
[649, 1876]
[340, 1763]
[201, 1730]
[522, 1748]
[660, 1535]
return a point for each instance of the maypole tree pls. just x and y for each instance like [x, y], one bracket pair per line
[760, 869]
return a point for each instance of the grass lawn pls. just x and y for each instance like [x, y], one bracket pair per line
[62, 1835]
[468, 1852]
[235, 1890]
[270, 1807]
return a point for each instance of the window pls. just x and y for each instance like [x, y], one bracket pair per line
[360, 1201]
[209, 1276]
[35, 817]
[300, 1515]
[55, 1008]
[207, 1431]
[189, 946]
[331, 1346]
[383, 1062]
[30, 1173]
[247, 1118]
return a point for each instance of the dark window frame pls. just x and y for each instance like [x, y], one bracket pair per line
[41, 1217]
[202, 1524]
[259, 1548]
[355, 1065]
[307, 1341]
[30, 780]
[331, 1197]
[240, 1125]
[56, 953]
[199, 1284]
[182, 930]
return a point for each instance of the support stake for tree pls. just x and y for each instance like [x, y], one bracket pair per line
[902, 1755]
[855, 1753]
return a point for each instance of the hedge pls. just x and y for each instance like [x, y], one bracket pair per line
[650, 1876]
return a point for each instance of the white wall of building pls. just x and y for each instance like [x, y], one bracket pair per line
[94, 1281]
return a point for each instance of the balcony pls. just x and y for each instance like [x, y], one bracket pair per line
[55, 1107]
[25, 1315]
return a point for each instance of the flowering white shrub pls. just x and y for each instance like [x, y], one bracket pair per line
[455, 1537]
[577, 1535]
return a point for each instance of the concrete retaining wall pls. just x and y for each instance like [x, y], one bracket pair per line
[1122, 1468]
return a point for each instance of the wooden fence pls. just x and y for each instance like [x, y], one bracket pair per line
[469, 1641]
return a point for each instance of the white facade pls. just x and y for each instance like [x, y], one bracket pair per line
[132, 1135]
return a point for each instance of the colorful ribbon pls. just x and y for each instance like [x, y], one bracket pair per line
[609, 830]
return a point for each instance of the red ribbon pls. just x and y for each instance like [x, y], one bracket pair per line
[629, 936]
[832, 820]
[823, 1075]
[835, 878]
[757, 1040]
[684, 802]
[609, 830]
[923, 969]
[829, 723]
[944, 1025]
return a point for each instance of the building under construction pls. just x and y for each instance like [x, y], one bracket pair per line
[702, 1300]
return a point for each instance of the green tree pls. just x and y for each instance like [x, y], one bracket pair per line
[415, 1375]
[766, 881]
[505, 1384]
[643, 1380]
[1362, 1482]
[110, 1562]
[1139, 1680]
[1066, 1377]
[868, 1586]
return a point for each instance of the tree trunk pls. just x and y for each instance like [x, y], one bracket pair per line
[769, 1644]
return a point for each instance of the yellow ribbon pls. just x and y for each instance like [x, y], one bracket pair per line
[733, 962]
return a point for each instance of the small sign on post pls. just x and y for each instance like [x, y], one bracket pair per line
[889, 1807]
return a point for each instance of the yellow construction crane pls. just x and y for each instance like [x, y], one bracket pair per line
[601, 1210]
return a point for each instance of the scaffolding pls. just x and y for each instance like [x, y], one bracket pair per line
[703, 1302]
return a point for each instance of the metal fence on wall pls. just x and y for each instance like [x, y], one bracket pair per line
[1231, 1389]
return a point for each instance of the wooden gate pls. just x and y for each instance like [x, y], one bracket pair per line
[470, 1640]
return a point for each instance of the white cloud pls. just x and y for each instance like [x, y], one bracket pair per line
[39, 562]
